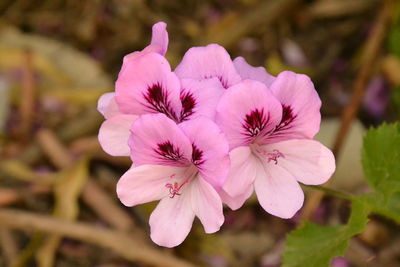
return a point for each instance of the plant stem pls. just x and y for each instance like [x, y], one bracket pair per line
[332, 192]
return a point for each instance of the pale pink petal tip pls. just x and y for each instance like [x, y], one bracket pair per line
[114, 134]
[159, 38]
[308, 161]
[278, 192]
[246, 71]
[207, 205]
[211, 61]
[171, 221]
[107, 106]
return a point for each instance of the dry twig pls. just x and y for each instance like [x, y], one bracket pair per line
[118, 241]
[369, 59]
[27, 98]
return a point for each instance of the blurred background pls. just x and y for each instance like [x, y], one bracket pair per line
[58, 205]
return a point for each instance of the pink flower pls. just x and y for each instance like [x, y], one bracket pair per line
[269, 132]
[146, 85]
[183, 166]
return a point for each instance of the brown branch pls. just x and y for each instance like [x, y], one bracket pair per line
[8, 245]
[368, 62]
[11, 196]
[93, 195]
[118, 241]
[28, 97]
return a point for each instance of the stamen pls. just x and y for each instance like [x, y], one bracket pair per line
[272, 156]
[174, 188]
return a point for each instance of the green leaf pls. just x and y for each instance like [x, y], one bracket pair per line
[381, 159]
[313, 245]
[389, 208]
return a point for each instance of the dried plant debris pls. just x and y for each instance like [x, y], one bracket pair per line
[58, 204]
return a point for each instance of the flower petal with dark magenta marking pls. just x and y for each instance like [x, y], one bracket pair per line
[167, 151]
[147, 85]
[156, 139]
[157, 100]
[255, 122]
[200, 98]
[301, 104]
[209, 149]
[188, 104]
[246, 111]
[197, 155]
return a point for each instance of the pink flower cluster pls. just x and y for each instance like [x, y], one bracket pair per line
[210, 132]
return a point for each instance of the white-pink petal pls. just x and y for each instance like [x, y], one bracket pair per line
[146, 183]
[206, 204]
[246, 71]
[208, 62]
[172, 220]
[237, 202]
[243, 171]
[107, 105]
[278, 192]
[114, 134]
[308, 161]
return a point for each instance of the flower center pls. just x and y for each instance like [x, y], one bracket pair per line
[270, 156]
[175, 188]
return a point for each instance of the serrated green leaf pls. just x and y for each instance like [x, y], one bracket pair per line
[381, 159]
[388, 208]
[313, 245]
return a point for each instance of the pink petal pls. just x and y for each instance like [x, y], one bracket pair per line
[278, 192]
[307, 160]
[147, 85]
[159, 38]
[172, 220]
[246, 71]
[200, 98]
[156, 139]
[159, 43]
[247, 112]
[208, 62]
[235, 203]
[114, 134]
[146, 183]
[243, 171]
[210, 149]
[206, 205]
[301, 103]
[107, 105]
